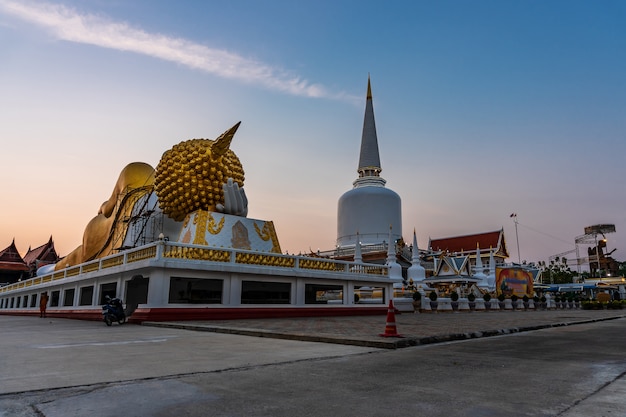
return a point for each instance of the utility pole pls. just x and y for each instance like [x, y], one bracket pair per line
[519, 258]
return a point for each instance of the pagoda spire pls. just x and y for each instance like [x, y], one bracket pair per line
[479, 261]
[369, 159]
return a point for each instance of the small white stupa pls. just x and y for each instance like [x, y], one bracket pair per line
[491, 278]
[395, 269]
[416, 272]
[479, 272]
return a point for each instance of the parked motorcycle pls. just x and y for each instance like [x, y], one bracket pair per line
[113, 310]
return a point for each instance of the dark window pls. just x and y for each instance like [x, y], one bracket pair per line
[86, 296]
[68, 298]
[33, 300]
[195, 291]
[323, 294]
[259, 292]
[12, 301]
[54, 298]
[109, 289]
[25, 301]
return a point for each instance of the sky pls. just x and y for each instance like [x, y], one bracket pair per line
[483, 109]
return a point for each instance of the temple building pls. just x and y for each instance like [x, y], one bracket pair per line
[207, 261]
[12, 265]
[40, 256]
[175, 241]
[486, 244]
[14, 268]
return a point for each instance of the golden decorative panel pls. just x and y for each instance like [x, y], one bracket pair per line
[319, 264]
[90, 267]
[264, 259]
[71, 272]
[141, 254]
[204, 254]
[115, 261]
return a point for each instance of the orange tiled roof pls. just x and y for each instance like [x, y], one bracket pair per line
[468, 243]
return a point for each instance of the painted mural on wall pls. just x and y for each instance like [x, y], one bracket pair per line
[514, 281]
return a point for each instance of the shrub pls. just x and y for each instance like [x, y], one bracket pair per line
[471, 297]
[432, 296]
[525, 298]
[514, 297]
[487, 297]
[417, 296]
[501, 297]
[454, 296]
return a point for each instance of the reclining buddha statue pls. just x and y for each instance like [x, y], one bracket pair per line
[194, 176]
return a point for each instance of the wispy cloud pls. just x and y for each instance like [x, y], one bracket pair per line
[67, 24]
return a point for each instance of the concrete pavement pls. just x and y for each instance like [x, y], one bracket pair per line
[75, 368]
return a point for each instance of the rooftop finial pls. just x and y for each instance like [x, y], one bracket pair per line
[369, 160]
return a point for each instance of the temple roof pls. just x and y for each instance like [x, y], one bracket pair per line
[467, 244]
[453, 266]
[10, 259]
[45, 252]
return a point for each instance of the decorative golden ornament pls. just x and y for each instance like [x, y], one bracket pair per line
[194, 165]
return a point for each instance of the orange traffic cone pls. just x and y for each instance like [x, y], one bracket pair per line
[390, 327]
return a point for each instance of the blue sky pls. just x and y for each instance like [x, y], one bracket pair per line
[483, 108]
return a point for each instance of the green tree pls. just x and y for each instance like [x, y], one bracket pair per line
[556, 272]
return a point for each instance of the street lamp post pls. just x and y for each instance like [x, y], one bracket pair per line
[519, 258]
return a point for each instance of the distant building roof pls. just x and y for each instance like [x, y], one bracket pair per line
[43, 254]
[10, 259]
[486, 242]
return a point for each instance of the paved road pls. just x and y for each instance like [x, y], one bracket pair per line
[56, 367]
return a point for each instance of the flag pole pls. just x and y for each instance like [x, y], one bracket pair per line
[519, 258]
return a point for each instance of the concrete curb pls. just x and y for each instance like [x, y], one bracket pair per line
[385, 343]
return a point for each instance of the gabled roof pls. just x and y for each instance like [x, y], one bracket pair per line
[467, 244]
[45, 252]
[453, 266]
[10, 259]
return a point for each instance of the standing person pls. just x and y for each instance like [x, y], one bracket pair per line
[43, 303]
